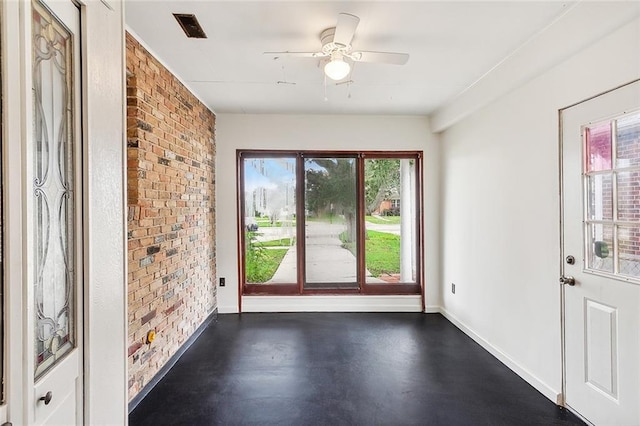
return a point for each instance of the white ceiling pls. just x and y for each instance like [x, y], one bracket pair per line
[452, 45]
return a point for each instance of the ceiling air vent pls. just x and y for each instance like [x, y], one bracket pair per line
[190, 25]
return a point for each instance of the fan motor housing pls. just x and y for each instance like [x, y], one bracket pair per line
[328, 46]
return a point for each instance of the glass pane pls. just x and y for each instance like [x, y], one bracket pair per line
[53, 191]
[600, 247]
[390, 221]
[628, 142]
[270, 220]
[598, 147]
[629, 250]
[600, 197]
[629, 196]
[330, 243]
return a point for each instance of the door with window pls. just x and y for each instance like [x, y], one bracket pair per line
[44, 227]
[601, 256]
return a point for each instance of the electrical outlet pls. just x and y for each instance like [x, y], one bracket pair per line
[453, 288]
[222, 282]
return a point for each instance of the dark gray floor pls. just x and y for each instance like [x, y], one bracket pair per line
[342, 369]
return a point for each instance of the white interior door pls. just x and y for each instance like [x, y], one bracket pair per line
[601, 256]
[53, 204]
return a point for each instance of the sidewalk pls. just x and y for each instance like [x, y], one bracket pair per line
[327, 261]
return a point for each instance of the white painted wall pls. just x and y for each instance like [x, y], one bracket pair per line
[500, 208]
[319, 132]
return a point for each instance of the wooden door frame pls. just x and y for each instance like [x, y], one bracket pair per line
[297, 289]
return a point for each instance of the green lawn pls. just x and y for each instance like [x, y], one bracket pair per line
[382, 253]
[262, 263]
[383, 220]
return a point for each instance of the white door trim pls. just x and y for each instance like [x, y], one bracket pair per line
[562, 268]
[105, 331]
[13, 196]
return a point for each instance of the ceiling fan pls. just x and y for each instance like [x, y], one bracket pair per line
[336, 47]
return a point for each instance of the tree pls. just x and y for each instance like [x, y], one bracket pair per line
[331, 186]
[381, 180]
[331, 189]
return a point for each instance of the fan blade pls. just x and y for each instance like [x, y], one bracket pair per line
[278, 55]
[345, 29]
[381, 57]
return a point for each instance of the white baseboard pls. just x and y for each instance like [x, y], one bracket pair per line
[227, 309]
[331, 303]
[542, 387]
[432, 310]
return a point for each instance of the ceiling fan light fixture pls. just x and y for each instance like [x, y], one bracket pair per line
[337, 68]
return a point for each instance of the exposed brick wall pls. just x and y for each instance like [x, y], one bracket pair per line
[171, 214]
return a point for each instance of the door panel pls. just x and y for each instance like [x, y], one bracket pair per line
[53, 221]
[601, 192]
[62, 408]
[601, 347]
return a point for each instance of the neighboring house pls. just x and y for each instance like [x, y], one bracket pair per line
[389, 205]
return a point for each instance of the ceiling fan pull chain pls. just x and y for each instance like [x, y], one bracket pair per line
[350, 81]
[325, 89]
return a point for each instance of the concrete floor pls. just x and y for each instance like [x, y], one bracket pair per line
[342, 369]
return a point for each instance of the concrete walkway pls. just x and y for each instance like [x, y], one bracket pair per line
[288, 269]
[392, 228]
[327, 261]
[275, 233]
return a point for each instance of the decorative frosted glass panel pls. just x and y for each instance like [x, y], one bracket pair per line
[53, 215]
[600, 197]
[600, 247]
[270, 221]
[331, 233]
[390, 221]
[628, 141]
[598, 147]
[629, 196]
[629, 250]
